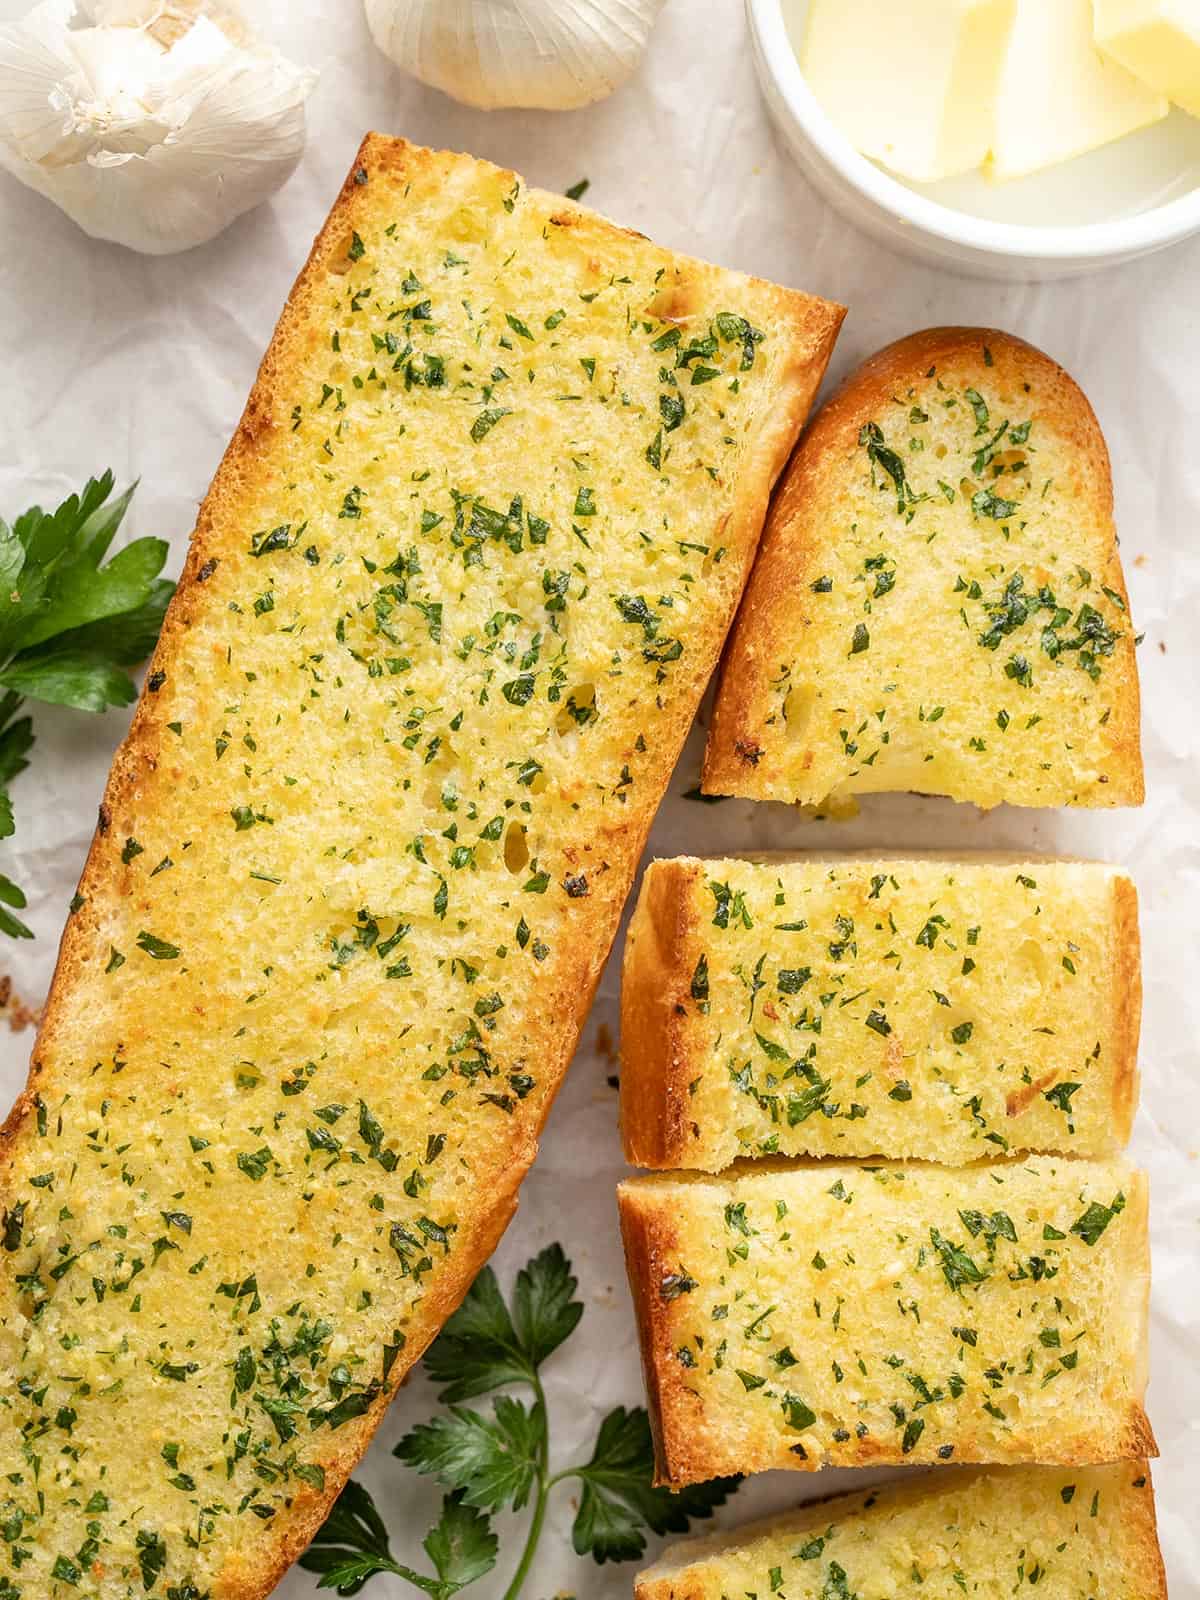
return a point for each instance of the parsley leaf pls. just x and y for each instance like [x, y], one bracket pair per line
[10, 895]
[58, 594]
[16, 741]
[619, 1500]
[462, 1548]
[1093, 1221]
[493, 1463]
[71, 625]
[67, 676]
[478, 1349]
[484, 1347]
[487, 420]
[545, 1312]
[353, 1546]
[959, 1267]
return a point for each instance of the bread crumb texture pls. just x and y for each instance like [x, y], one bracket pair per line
[449, 609]
[849, 1315]
[939, 604]
[1077, 1534]
[942, 1010]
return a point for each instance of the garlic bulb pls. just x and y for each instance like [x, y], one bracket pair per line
[551, 55]
[152, 123]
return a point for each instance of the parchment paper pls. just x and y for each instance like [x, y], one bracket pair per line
[110, 359]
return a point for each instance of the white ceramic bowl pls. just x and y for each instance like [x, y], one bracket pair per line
[1125, 200]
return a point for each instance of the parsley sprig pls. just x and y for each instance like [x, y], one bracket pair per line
[71, 627]
[502, 1461]
[353, 1546]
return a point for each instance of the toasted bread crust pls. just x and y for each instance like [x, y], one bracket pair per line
[696, 1440]
[1127, 1016]
[808, 327]
[654, 995]
[744, 754]
[649, 1245]
[1146, 1553]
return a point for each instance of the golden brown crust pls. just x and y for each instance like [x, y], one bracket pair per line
[1147, 1559]
[1127, 1014]
[1139, 1437]
[809, 327]
[685, 1448]
[649, 1246]
[773, 616]
[655, 997]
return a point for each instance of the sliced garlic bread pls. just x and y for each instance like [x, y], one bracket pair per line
[448, 612]
[938, 604]
[830, 1314]
[938, 1009]
[1079, 1533]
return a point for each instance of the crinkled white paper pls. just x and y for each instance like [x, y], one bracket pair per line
[143, 365]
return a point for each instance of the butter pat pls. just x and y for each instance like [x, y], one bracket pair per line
[914, 91]
[1058, 96]
[1158, 41]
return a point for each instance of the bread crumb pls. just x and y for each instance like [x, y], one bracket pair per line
[19, 1014]
[606, 1045]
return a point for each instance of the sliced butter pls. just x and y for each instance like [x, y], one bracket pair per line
[1058, 97]
[914, 93]
[1158, 41]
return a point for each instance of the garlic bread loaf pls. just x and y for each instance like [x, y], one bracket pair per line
[830, 1314]
[449, 608]
[938, 604]
[1078, 1533]
[932, 1008]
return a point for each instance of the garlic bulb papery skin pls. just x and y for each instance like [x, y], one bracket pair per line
[545, 55]
[152, 123]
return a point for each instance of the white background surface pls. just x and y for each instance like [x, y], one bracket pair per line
[110, 359]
